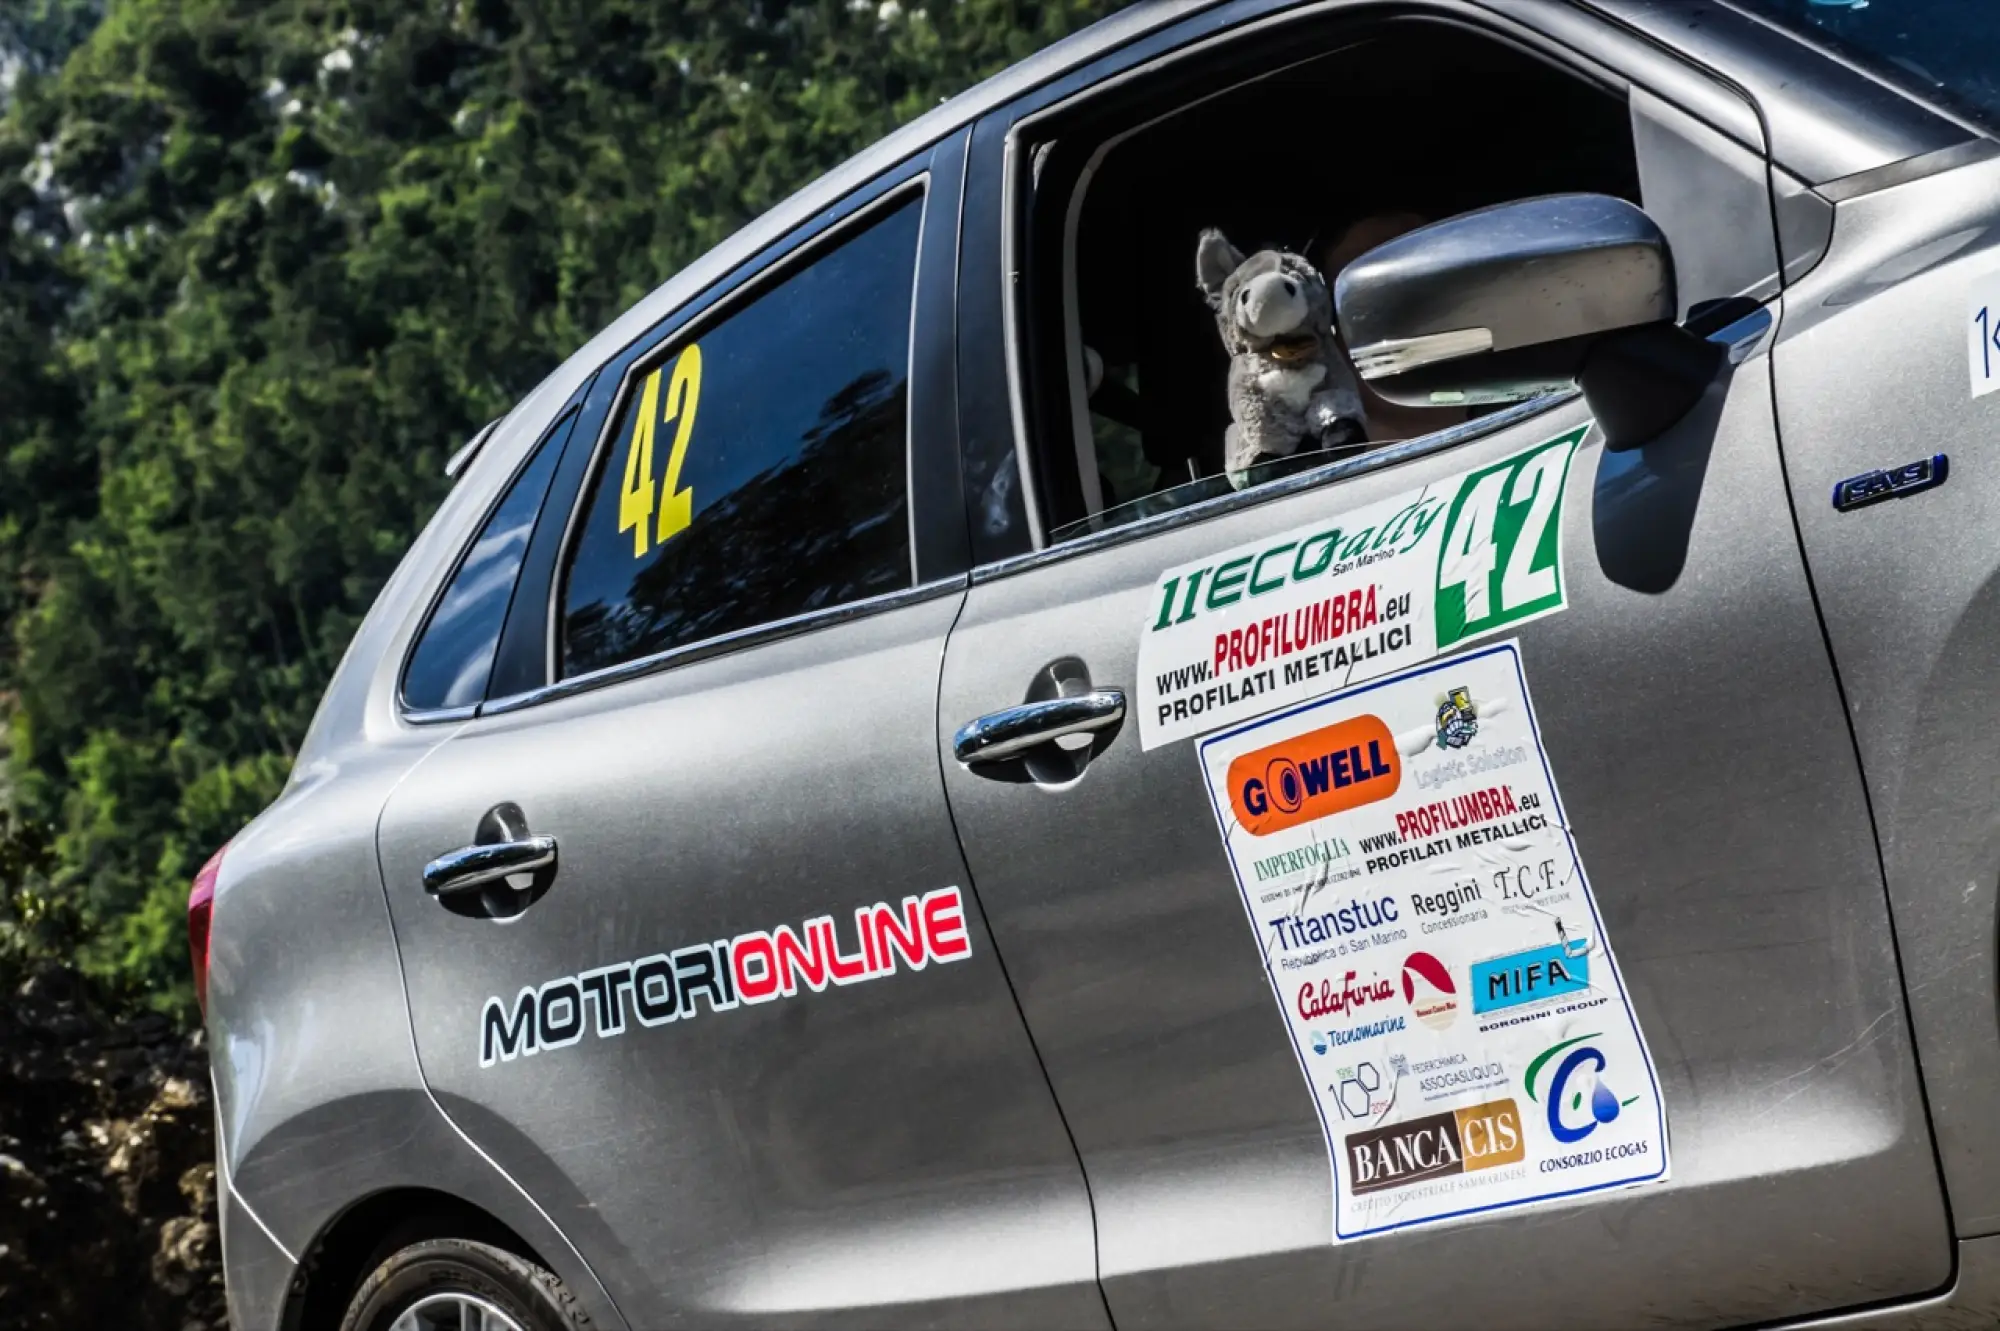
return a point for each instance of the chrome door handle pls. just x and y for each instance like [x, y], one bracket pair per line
[1015, 730]
[470, 868]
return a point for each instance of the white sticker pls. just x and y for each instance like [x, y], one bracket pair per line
[1982, 335]
[1330, 604]
[1423, 915]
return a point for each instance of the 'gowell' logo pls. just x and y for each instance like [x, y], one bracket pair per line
[1309, 776]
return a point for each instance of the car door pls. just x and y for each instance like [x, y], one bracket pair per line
[688, 942]
[1305, 1089]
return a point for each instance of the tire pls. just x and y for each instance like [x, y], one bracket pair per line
[440, 1277]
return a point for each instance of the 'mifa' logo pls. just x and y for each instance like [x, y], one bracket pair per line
[1539, 973]
[1457, 720]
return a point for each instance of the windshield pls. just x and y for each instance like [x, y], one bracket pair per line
[1944, 50]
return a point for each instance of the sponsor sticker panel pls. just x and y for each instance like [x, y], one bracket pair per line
[1334, 603]
[1433, 944]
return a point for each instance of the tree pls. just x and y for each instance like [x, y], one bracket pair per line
[270, 262]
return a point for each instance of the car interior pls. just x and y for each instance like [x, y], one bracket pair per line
[1409, 123]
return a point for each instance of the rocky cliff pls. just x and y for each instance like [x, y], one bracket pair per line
[107, 1175]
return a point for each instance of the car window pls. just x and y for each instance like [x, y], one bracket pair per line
[454, 656]
[757, 471]
[1129, 386]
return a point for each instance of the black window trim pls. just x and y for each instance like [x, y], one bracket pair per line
[933, 459]
[1687, 87]
[724, 644]
[565, 420]
[1389, 455]
[914, 180]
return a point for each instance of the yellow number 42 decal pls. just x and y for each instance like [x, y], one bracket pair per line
[635, 500]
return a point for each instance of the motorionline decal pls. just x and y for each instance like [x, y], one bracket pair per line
[761, 966]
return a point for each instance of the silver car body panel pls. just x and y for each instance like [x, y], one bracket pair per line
[320, 1100]
[1871, 372]
[259, 1267]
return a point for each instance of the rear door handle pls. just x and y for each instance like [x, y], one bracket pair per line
[1014, 730]
[470, 868]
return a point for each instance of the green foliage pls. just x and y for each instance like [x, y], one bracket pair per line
[37, 922]
[37, 35]
[270, 262]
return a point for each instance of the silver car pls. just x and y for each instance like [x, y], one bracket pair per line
[890, 794]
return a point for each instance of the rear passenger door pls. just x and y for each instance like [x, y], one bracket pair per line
[687, 938]
[1543, 982]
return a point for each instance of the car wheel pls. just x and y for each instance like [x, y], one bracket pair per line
[456, 1285]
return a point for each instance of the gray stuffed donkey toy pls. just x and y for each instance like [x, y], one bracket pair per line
[1289, 386]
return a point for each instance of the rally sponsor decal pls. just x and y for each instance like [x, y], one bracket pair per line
[1337, 602]
[1435, 949]
[761, 966]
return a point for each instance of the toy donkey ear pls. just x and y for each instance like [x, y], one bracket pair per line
[1214, 260]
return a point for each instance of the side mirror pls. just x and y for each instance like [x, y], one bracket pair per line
[1526, 298]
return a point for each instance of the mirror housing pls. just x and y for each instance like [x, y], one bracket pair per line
[1525, 298]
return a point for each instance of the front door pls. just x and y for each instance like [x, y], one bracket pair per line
[688, 942]
[1474, 918]
[1695, 747]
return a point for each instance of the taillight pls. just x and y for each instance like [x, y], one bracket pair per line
[201, 904]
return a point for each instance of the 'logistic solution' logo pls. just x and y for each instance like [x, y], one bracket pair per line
[1322, 772]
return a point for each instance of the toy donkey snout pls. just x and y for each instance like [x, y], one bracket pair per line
[1271, 305]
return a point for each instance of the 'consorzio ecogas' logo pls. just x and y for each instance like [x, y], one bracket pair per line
[1577, 1077]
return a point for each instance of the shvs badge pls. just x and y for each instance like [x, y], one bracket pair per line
[1337, 602]
[1423, 915]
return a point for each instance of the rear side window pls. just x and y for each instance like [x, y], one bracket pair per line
[454, 657]
[758, 471]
